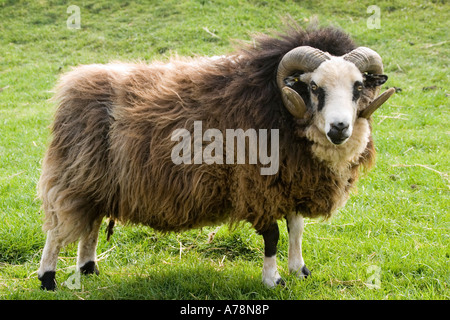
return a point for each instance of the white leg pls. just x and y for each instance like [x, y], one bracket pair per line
[63, 233]
[270, 273]
[47, 268]
[295, 260]
[86, 250]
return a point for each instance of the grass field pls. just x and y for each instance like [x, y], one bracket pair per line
[391, 241]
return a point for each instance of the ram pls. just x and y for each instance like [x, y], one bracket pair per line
[112, 142]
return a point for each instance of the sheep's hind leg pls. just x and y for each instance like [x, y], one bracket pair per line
[270, 273]
[67, 231]
[47, 268]
[295, 259]
[86, 259]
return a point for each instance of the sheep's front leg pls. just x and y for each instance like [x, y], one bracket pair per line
[295, 260]
[270, 273]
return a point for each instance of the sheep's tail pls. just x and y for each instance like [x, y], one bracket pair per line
[109, 229]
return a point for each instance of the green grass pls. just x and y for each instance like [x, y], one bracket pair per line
[397, 221]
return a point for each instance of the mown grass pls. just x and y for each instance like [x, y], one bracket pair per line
[397, 221]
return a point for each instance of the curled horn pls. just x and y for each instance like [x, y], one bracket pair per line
[367, 60]
[304, 59]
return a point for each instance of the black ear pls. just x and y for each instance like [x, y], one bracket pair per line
[374, 80]
[293, 81]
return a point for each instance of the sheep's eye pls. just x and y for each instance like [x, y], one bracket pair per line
[359, 86]
[313, 86]
[357, 90]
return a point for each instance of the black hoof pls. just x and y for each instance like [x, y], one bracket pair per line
[280, 282]
[305, 272]
[89, 268]
[48, 281]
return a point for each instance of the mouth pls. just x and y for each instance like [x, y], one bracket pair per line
[338, 141]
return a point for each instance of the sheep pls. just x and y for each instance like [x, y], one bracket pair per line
[113, 136]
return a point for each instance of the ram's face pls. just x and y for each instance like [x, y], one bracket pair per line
[335, 88]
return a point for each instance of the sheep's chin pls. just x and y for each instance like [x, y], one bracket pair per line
[339, 157]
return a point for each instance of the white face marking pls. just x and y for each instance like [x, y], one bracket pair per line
[333, 98]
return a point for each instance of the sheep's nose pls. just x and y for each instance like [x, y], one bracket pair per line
[340, 126]
[338, 132]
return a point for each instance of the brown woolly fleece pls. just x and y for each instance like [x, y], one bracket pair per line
[110, 153]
